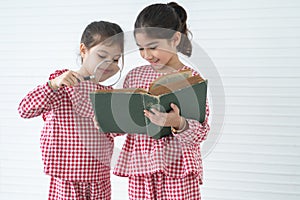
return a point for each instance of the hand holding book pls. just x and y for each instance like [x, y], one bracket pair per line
[169, 119]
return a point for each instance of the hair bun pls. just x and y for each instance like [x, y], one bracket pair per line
[180, 11]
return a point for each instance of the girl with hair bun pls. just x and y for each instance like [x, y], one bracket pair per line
[171, 167]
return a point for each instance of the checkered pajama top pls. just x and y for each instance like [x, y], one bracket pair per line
[72, 148]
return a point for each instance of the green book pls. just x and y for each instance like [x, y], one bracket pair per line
[122, 110]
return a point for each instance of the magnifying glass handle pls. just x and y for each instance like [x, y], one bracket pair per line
[86, 78]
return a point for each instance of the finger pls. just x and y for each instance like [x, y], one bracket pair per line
[78, 76]
[65, 82]
[175, 108]
[96, 124]
[73, 79]
[147, 113]
[70, 79]
[156, 112]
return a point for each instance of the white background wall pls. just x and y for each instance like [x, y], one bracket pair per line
[255, 46]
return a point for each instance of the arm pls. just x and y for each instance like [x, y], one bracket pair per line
[48, 96]
[42, 99]
[79, 96]
[195, 132]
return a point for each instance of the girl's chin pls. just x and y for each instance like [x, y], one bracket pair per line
[157, 66]
[106, 76]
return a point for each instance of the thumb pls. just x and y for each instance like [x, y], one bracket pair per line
[175, 108]
[78, 76]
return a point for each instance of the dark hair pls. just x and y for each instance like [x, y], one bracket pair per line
[170, 16]
[102, 31]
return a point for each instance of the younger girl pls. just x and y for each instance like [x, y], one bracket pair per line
[169, 168]
[75, 154]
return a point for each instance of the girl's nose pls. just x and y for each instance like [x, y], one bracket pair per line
[147, 54]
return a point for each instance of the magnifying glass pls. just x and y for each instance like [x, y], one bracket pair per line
[103, 64]
[106, 72]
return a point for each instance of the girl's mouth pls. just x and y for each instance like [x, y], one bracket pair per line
[106, 71]
[153, 62]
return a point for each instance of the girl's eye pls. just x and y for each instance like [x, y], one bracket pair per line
[117, 60]
[151, 48]
[101, 56]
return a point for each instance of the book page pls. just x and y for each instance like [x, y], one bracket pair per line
[173, 86]
[170, 78]
[124, 90]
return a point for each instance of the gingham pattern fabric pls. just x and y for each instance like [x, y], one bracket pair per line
[72, 148]
[160, 187]
[66, 190]
[176, 156]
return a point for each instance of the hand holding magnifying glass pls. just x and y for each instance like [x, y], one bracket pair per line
[103, 71]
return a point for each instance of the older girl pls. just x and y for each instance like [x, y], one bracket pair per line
[171, 167]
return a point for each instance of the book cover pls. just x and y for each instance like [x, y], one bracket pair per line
[122, 110]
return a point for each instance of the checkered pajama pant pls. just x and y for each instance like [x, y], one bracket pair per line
[66, 190]
[159, 187]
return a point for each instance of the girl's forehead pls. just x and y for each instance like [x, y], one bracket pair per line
[110, 49]
[142, 39]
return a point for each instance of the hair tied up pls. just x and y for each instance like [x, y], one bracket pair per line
[185, 45]
[181, 13]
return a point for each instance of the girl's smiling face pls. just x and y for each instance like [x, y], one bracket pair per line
[160, 53]
[92, 58]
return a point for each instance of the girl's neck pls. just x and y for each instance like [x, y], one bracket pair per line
[172, 66]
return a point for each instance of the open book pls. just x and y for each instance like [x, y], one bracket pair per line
[122, 110]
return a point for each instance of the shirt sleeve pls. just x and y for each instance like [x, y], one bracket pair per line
[197, 132]
[80, 99]
[40, 100]
[126, 82]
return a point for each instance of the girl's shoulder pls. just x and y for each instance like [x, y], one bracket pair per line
[140, 71]
[194, 72]
[140, 77]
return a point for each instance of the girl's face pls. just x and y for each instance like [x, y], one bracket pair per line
[160, 53]
[92, 58]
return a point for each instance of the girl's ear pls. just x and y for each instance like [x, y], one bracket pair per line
[82, 49]
[176, 39]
